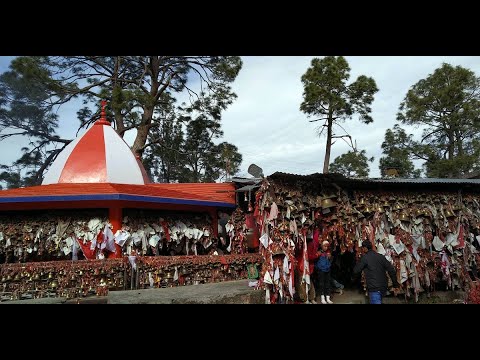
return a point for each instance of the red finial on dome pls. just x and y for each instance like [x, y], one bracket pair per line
[103, 115]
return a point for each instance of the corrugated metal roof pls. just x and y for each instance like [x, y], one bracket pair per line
[345, 181]
[427, 181]
[246, 180]
[247, 188]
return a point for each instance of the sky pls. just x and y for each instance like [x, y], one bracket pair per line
[265, 121]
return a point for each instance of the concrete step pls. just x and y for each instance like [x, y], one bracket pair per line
[228, 292]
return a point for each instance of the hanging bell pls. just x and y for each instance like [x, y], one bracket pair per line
[328, 203]
[404, 217]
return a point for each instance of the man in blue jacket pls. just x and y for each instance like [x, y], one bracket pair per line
[375, 266]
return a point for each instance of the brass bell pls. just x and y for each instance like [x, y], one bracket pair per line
[404, 217]
[50, 275]
[54, 284]
[36, 277]
[328, 203]
[398, 206]
[361, 202]
[17, 277]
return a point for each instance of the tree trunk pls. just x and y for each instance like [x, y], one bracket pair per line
[140, 140]
[120, 126]
[142, 132]
[329, 142]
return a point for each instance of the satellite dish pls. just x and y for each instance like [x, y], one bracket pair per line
[255, 171]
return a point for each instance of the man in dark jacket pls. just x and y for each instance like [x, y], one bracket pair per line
[375, 266]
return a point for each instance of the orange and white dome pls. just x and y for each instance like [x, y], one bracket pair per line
[100, 155]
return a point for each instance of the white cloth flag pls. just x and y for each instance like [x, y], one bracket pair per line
[121, 236]
[109, 239]
[175, 276]
[285, 265]
[267, 278]
[276, 275]
[264, 240]
[132, 259]
[75, 249]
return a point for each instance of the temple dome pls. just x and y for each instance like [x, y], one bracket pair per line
[100, 155]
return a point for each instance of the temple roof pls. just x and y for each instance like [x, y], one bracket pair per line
[100, 155]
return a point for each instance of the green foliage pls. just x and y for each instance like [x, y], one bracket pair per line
[138, 89]
[182, 148]
[25, 112]
[397, 149]
[352, 164]
[327, 94]
[446, 105]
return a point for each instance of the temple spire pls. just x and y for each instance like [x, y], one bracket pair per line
[103, 115]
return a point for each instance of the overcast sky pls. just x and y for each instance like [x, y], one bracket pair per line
[268, 128]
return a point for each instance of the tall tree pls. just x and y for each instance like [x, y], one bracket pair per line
[397, 148]
[228, 159]
[24, 112]
[165, 160]
[199, 150]
[446, 105]
[136, 86]
[327, 94]
[352, 164]
[187, 152]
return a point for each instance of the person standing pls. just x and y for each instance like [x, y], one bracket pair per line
[323, 266]
[375, 266]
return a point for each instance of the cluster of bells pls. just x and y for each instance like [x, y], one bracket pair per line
[239, 243]
[63, 282]
[190, 276]
[296, 200]
[407, 207]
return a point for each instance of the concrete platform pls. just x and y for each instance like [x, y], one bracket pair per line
[228, 292]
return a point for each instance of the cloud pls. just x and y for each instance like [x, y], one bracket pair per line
[268, 128]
